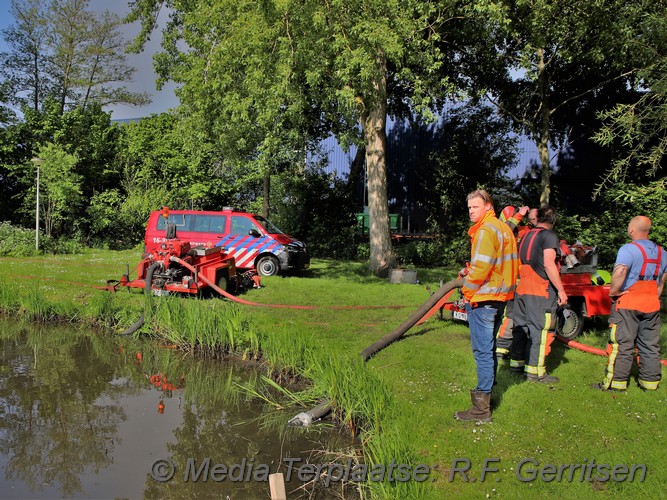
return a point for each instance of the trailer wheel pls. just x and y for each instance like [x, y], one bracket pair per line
[268, 266]
[222, 282]
[570, 322]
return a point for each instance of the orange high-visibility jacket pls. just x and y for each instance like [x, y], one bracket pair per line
[494, 261]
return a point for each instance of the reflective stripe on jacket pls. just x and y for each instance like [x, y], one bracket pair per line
[494, 262]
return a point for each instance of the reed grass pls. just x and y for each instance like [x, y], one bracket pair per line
[288, 351]
[9, 301]
[362, 399]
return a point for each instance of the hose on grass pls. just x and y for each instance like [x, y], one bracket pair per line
[592, 350]
[304, 419]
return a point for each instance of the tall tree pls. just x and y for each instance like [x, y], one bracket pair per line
[60, 200]
[258, 73]
[636, 132]
[549, 56]
[25, 66]
[63, 50]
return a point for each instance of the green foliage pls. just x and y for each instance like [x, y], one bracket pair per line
[61, 192]
[119, 220]
[161, 154]
[635, 131]
[16, 241]
[316, 208]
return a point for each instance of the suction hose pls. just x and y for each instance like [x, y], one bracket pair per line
[414, 318]
[306, 418]
[148, 288]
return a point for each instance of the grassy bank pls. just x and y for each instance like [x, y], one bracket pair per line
[402, 399]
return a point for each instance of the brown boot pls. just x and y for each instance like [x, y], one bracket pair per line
[481, 408]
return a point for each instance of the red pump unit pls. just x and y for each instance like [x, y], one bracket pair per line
[160, 272]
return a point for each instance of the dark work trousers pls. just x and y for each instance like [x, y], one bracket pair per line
[630, 328]
[534, 331]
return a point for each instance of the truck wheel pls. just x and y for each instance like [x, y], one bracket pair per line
[570, 323]
[267, 266]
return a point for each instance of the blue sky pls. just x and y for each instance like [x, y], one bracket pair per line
[144, 77]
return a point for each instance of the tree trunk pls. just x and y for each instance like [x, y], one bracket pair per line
[36, 78]
[374, 122]
[266, 195]
[356, 168]
[542, 138]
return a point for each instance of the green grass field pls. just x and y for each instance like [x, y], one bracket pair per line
[544, 442]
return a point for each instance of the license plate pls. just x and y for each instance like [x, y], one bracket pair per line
[460, 315]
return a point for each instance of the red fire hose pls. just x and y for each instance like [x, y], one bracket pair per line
[589, 349]
[581, 347]
[259, 304]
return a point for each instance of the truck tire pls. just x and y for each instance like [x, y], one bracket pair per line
[268, 266]
[570, 322]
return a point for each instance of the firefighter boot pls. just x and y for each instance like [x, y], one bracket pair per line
[481, 408]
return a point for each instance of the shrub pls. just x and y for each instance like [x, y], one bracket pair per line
[16, 241]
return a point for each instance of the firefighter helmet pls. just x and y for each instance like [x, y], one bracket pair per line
[600, 277]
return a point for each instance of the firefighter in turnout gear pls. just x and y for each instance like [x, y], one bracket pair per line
[636, 284]
[489, 283]
[539, 293]
[511, 216]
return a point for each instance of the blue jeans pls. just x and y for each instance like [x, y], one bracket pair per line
[484, 322]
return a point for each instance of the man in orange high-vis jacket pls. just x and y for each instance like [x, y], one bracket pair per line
[511, 216]
[539, 293]
[488, 284]
[636, 284]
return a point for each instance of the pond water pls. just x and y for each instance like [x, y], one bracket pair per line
[90, 415]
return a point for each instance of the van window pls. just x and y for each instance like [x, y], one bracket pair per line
[178, 219]
[209, 224]
[241, 225]
[268, 225]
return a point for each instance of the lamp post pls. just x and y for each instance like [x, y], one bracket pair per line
[37, 161]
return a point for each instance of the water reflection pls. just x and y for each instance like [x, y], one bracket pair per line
[89, 415]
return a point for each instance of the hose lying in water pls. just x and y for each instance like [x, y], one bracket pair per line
[306, 418]
[148, 290]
